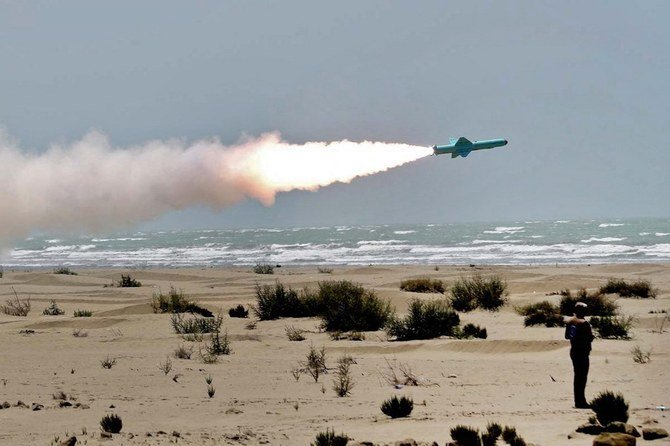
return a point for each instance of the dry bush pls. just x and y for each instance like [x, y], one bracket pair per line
[400, 374]
[165, 366]
[640, 355]
[293, 333]
[108, 362]
[264, 268]
[487, 293]
[183, 352]
[83, 313]
[53, 309]
[64, 270]
[541, 313]
[218, 344]
[343, 381]
[330, 438]
[126, 281]
[195, 324]
[597, 304]
[16, 306]
[315, 364]
[613, 327]
[79, 333]
[238, 311]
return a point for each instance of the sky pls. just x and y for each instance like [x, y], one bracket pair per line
[580, 89]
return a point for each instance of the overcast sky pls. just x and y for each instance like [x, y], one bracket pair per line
[580, 89]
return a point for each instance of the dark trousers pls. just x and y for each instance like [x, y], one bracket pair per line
[580, 365]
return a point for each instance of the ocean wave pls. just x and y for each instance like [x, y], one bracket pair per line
[604, 239]
[610, 225]
[662, 234]
[506, 230]
[404, 232]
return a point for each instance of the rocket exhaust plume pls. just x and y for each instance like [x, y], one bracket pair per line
[90, 185]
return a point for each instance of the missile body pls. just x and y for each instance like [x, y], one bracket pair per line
[462, 146]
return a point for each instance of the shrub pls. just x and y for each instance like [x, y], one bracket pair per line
[425, 320]
[509, 434]
[612, 327]
[597, 304]
[53, 309]
[316, 362]
[294, 334]
[610, 407]
[493, 432]
[329, 438]
[210, 390]
[280, 301]
[238, 311]
[422, 285]
[264, 268]
[111, 423]
[640, 356]
[465, 436]
[183, 352]
[346, 306]
[219, 344]
[64, 270]
[640, 288]
[128, 282]
[83, 313]
[165, 366]
[471, 331]
[108, 362]
[195, 324]
[343, 381]
[398, 407]
[324, 270]
[541, 313]
[489, 294]
[176, 302]
[16, 306]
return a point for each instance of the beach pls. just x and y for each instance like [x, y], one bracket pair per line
[518, 376]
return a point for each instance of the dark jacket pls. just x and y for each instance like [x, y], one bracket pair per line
[578, 331]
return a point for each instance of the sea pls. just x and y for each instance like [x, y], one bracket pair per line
[501, 243]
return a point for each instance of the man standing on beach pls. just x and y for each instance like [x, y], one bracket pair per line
[578, 331]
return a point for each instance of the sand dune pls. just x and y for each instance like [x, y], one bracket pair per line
[518, 376]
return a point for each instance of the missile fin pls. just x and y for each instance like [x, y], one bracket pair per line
[463, 141]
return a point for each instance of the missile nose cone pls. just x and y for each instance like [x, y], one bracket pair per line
[505, 142]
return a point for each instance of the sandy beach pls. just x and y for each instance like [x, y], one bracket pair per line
[517, 376]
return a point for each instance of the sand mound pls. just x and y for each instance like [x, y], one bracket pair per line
[502, 346]
[89, 323]
[128, 311]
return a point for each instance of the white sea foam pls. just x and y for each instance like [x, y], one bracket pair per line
[662, 234]
[604, 239]
[610, 225]
[506, 230]
[404, 232]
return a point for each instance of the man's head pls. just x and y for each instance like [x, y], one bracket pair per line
[580, 309]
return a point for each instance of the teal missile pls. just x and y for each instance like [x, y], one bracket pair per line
[462, 146]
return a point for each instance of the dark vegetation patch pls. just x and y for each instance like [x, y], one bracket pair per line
[423, 285]
[53, 309]
[264, 268]
[342, 305]
[398, 407]
[111, 423]
[426, 319]
[489, 293]
[64, 270]
[83, 313]
[177, 302]
[640, 288]
[541, 313]
[238, 311]
[597, 303]
[126, 281]
[609, 407]
[330, 438]
[612, 327]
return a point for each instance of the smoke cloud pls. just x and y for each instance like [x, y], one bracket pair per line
[90, 185]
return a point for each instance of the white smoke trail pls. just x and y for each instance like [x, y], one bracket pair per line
[90, 185]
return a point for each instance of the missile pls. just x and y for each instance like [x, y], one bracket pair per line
[462, 146]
